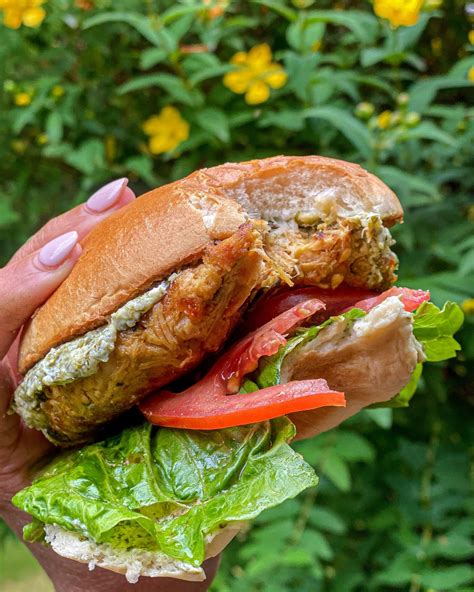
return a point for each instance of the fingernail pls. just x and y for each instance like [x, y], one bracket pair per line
[105, 197]
[57, 251]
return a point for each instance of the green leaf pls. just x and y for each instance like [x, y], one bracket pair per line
[288, 119]
[317, 544]
[348, 125]
[173, 85]
[143, 167]
[54, 127]
[279, 7]
[353, 447]
[423, 92]
[7, 213]
[209, 72]
[152, 56]
[412, 189]
[451, 546]
[337, 471]
[447, 578]
[168, 489]
[435, 328]
[172, 14]
[215, 122]
[301, 35]
[382, 417]
[327, 520]
[88, 158]
[427, 130]
[362, 24]
[140, 23]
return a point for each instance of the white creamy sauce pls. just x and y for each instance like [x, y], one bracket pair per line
[81, 356]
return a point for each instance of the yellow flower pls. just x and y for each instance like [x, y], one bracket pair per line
[468, 306]
[22, 99]
[470, 36]
[255, 74]
[399, 12]
[18, 12]
[42, 139]
[166, 130]
[384, 119]
[470, 74]
[57, 91]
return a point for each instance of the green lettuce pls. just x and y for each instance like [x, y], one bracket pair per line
[164, 489]
[434, 329]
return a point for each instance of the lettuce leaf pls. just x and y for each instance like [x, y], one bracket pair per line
[434, 329]
[164, 489]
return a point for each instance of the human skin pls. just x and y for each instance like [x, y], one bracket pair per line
[28, 279]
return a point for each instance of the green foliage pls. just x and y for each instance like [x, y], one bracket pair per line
[393, 509]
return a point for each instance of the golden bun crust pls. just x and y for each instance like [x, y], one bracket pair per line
[172, 225]
[145, 241]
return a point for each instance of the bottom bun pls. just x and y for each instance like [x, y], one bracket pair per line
[136, 562]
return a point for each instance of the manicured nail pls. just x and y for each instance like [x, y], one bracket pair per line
[57, 251]
[105, 197]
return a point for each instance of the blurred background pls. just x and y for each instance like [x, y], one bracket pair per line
[91, 90]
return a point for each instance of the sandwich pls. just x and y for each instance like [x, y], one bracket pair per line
[238, 308]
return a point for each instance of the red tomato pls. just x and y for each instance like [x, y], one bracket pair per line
[411, 299]
[206, 409]
[273, 303]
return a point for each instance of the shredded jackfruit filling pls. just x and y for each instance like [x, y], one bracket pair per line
[355, 250]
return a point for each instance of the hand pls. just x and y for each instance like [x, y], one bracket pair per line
[27, 280]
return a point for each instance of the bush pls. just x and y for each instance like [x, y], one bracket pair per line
[100, 88]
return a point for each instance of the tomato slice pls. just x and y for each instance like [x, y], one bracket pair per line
[411, 299]
[243, 357]
[208, 410]
[273, 303]
[207, 404]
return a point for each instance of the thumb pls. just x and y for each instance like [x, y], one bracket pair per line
[26, 283]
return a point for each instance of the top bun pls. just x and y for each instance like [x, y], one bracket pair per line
[171, 226]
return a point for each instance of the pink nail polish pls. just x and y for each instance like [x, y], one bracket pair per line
[57, 251]
[105, 197]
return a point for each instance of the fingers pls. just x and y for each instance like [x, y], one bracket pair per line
[27, 282]
[82, 218]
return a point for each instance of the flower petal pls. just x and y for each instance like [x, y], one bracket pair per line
[276, 78]
[257, 93]
[12, 18]
[239, 58]
[238, 81]
[152, 125]
[33, 17]
[161, 143]
[260, 56]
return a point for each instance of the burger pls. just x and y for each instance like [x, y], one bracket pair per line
[261, 295]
